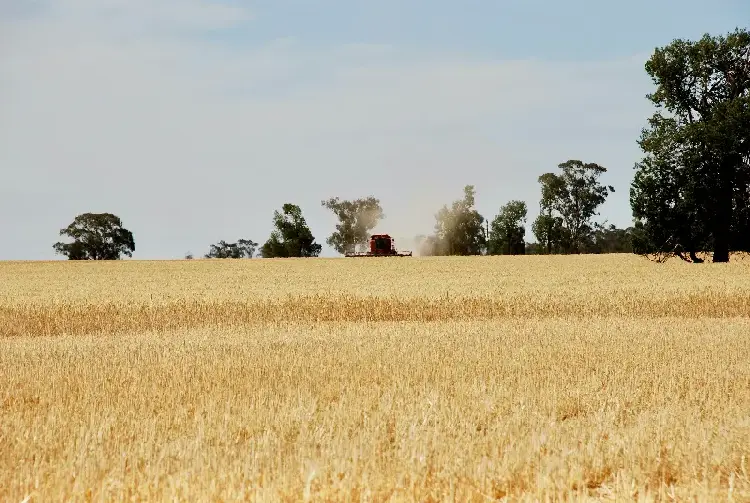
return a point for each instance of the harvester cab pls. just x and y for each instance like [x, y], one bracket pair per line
[381, 245]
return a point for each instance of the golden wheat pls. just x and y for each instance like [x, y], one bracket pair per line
[469, 379]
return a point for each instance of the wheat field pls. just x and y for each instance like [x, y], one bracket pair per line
[578, 378]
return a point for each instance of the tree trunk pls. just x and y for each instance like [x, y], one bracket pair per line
[508, 243]
[721, 245]
[723, 222]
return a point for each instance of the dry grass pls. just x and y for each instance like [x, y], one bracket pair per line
[524, 378]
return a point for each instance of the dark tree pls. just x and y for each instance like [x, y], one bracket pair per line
[356, 219]
[691, 192]
[291, 237]
[459, 230]
[574, 195]
[535, 249]
[610, 239]
[507, 230]
[96, 236]
[668, 201]
[550, 233]
[244, 248]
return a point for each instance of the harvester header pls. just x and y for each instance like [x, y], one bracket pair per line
[381, 245]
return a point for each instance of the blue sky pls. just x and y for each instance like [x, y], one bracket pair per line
[193, 120]
[544, 29]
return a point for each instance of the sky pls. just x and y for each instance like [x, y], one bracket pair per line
[193, 120]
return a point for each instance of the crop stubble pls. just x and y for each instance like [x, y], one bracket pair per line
[473, 378]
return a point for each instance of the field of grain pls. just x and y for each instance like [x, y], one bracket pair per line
[409, 379]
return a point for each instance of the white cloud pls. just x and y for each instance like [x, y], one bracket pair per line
[191, 141]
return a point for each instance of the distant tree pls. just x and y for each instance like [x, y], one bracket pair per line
[291, 237]
[574, 195]
[188, 256]
[96, 236]
[691, 192]
[244, 248]
[535, 249]
[459, 230]
[550, 232]
[610, 239]
[356, 219]
[507, 231]
[273, 247]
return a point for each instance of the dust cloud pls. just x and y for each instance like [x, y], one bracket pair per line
[411, 224]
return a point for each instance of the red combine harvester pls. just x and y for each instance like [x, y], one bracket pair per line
[381, 245]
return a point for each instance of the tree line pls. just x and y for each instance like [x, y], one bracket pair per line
[690, 193]
[569, 201]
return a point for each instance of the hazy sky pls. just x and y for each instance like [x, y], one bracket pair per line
[193, 120]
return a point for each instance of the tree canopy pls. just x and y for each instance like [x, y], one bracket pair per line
[96, 236]
[691, 191]
[549, 232]
[569, 202]
[507, 231]
[356, 219]
[459, 229]
[243, 248]
[291, 237]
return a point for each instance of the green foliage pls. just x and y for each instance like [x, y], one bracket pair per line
[550, 233]
[459, 230]
[507, 230]
[669, 202]
[573, 196]
[96, 236]
[292, 237]
[244, 248]
[691, 192]
[610, 240]
[356, 219]
[274, 246]
[534, 249]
